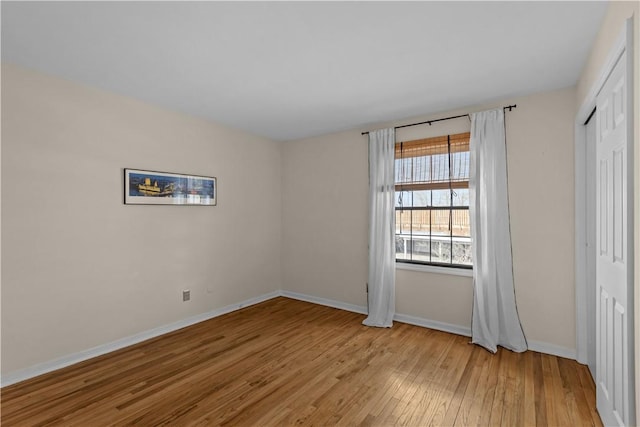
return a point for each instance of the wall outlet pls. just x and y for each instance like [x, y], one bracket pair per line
[186, 295]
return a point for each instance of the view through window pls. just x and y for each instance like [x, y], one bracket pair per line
[432, 201]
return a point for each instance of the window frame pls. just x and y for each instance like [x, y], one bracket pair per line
[450, 184]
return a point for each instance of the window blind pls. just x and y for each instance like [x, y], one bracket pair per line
[433, 163]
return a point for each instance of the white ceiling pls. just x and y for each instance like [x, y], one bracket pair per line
[288, 70]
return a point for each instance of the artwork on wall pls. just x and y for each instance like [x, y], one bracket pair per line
[143, 187]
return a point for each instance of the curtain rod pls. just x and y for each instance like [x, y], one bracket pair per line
[508, 107]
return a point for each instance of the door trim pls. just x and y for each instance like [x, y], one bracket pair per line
[580, 146]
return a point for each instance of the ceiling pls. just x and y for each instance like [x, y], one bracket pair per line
[289, 70]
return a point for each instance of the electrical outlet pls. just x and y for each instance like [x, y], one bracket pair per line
[186, 295]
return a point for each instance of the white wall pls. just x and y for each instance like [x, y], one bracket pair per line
[80, 268]
[617, 13]
[324, 208]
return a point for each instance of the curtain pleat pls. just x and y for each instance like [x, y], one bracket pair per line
[382, 268]
[495, 318]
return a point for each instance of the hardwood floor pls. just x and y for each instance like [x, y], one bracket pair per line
[286, 362]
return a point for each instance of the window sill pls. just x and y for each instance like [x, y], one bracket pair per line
[434, 269]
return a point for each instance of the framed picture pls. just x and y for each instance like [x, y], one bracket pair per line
[161, 188]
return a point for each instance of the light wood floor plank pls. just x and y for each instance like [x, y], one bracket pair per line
[286, 362]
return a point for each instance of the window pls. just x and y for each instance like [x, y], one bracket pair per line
[432, 201]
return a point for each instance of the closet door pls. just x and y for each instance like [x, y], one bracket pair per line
[614, 265]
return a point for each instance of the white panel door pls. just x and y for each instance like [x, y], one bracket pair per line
[614, 345]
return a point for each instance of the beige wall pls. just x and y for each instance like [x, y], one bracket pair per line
[324, 208]
[80, 268]
[613, 24]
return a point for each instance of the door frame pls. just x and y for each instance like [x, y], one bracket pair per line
[624, 42]
[580, 154]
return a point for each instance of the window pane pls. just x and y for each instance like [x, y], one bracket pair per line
[420, 238]
[440, 168]
[461, 226]
[440, 236]
[403, 246]
[440, 222]
[404, 170]
[441, 197]
[461, 197]
[403, 199]
[461, 239]
[420, 222]
[422, 168]
[460, 166]
[422, 198]
[441, 249]
[421, 248]
[462, 251]
[403, 222]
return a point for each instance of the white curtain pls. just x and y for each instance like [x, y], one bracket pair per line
[495, 318]
[382, 263]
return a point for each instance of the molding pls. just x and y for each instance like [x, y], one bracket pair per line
[552, 349]
[70, 359]
[403, 318]
[433, 324]
[538, 346]
[580, 260]
[580, 242]
[434, 269]
[361, 309]
[587, 106]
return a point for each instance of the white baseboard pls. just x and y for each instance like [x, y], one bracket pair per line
[43, 368]
[64, 361]
[326, 302]
[433, 324]
[404, 318]
[538, 346]
[552, 349]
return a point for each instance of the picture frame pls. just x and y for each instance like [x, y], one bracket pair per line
[144, 187]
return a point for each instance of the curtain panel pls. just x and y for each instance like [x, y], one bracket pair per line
[495, 318]
[382, 262]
